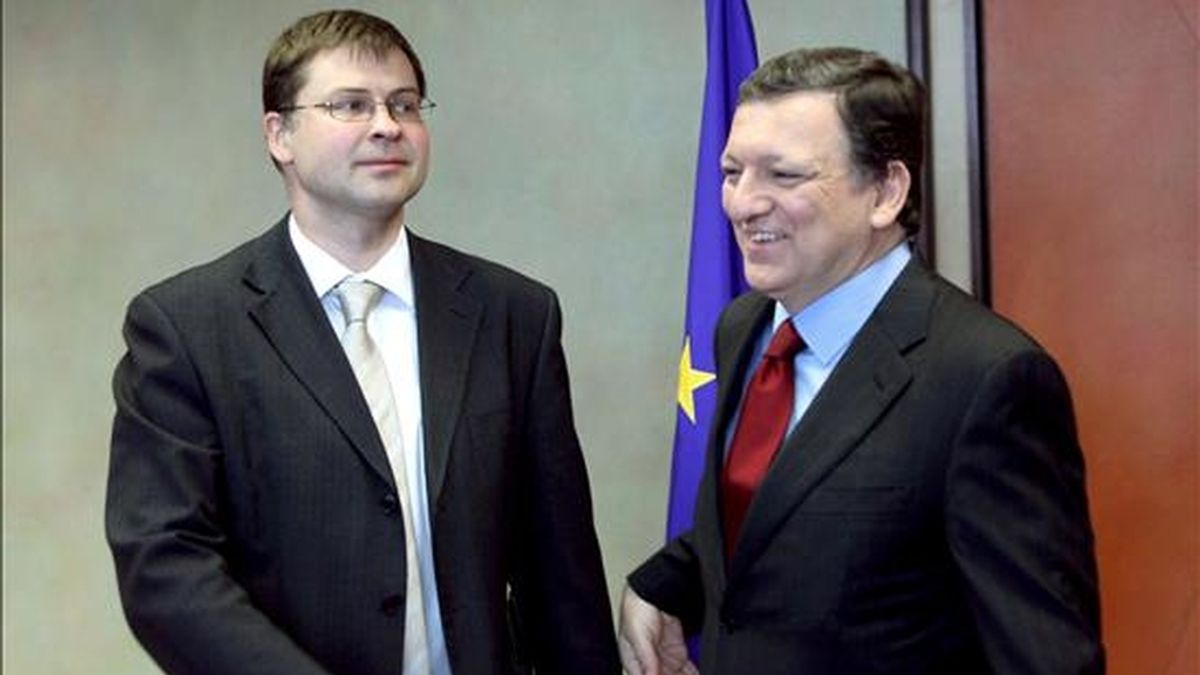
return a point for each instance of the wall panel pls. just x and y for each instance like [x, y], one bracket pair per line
[1091, 109]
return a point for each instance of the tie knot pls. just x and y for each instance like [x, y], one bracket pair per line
[786, 342]
[358, 298]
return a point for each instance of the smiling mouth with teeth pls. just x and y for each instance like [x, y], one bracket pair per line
[765, 237]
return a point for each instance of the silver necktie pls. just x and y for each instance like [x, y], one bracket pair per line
[358, 298]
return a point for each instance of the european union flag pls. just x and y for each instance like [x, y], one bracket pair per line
[715, 267]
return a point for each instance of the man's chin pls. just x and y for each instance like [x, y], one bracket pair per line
[378, 209]
[386, 200]
[764, 281]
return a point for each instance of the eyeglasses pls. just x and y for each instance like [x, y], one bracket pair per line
[403, 107]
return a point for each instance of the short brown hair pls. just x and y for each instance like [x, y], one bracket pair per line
[881, 105]
[283, 71]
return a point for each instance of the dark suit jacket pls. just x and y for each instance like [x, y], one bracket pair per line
[927, 515]
[251, 511]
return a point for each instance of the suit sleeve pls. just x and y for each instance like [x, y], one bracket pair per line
[670, 580]
[559, 581]
[1017, 521]
[164, 518]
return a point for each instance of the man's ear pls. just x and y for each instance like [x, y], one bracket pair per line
[278, 133]
[892, 193]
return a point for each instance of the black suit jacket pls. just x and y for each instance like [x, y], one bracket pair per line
[251, 511]
[927, 515]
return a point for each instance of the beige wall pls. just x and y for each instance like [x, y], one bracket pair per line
[564, 145]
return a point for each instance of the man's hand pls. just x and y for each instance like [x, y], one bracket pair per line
[651, 640]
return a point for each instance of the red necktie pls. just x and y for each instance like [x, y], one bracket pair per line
[766, 410]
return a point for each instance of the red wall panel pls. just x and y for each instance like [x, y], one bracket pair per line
[1091, 111]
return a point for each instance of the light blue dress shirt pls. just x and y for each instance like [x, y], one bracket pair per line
[828, 326]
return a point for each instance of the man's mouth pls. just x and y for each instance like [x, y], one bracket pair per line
[761, 236]
[391, 161]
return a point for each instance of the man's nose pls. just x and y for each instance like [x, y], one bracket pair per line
[382, 123]
[744, 199]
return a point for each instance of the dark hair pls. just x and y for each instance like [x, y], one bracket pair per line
[881, 105]
[283, 71]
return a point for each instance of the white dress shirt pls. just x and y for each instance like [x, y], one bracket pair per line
[393, 327]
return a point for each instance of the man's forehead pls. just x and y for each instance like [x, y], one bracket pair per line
[795, 126]
[344, 61]
[805, 111]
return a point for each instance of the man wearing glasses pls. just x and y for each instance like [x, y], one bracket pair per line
[342, 448]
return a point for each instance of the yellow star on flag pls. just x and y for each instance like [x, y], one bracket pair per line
[690, 380]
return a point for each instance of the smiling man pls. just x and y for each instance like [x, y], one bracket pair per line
[343, 448]
[893, 481]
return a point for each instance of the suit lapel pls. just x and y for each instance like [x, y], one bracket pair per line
[735, 349]
[743, 331]
[447, 322]
[870, 376]
[282, 303]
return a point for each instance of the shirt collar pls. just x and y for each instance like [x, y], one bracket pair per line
[393, 271]
[831, 322]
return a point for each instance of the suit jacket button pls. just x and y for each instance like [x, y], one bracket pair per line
[391, 605]
[391, 505]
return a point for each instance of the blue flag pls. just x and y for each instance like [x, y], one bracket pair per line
[715, 267]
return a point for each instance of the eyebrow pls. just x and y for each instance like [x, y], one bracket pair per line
[769, 158]
[363, 90]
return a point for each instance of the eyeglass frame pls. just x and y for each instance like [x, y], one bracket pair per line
[424, 104]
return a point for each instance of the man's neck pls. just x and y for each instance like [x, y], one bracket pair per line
[881, 245]
[357, 241]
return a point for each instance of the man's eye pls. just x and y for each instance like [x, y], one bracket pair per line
[730, 173]
[352, 106]
[789, 176]
[405, 106]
